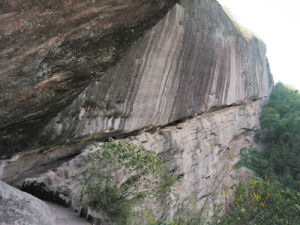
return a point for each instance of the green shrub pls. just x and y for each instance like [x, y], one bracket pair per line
[280, 134]
[260, 202]
[119, 173]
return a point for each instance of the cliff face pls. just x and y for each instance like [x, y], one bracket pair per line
[193, 61]
[52, 50]
[194, 82]
[202, 150]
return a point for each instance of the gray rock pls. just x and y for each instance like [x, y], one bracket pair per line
[65, 217]
[51, 51]
[20, 208]
[191, 89]
[195, 60]
[202, 150]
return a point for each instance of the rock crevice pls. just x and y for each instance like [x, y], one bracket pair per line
[202, 150]
[190, 88]
[192, 62]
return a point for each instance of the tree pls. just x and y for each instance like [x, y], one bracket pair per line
[280, 132]
[260, 201]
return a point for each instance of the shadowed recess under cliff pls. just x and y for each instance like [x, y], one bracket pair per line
[189, 87]
[193, 61]
[52, 50]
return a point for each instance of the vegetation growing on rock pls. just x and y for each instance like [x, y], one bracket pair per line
[274, 198]
[260, 202]
[280, 133]
[120, 173]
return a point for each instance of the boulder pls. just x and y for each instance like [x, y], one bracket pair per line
[20, 208]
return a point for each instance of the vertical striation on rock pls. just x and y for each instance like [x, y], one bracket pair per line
[51, 51]
[193, 61]
[202, 151]
[190, 89]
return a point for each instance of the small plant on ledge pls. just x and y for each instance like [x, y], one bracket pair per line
[118, 173]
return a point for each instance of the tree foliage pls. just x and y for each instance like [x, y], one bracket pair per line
[280, 133]
[261, 202]
[117, 173]
[274, 198]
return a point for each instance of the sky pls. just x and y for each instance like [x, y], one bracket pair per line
[277, 23]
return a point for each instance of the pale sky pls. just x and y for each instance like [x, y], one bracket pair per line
[277, 23]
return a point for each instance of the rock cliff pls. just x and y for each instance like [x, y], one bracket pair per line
[191, 88]
[17, 207]
[194, 60]
[202, 150]
[52, 50]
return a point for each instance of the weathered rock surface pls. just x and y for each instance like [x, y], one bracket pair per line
[191, 89]
[193, 61]
[66, 217]
[20, 208]
[202, 150]
[50, 51]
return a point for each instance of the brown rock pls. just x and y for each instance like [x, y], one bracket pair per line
[51, 50]
[195, 60]
[203, 153]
